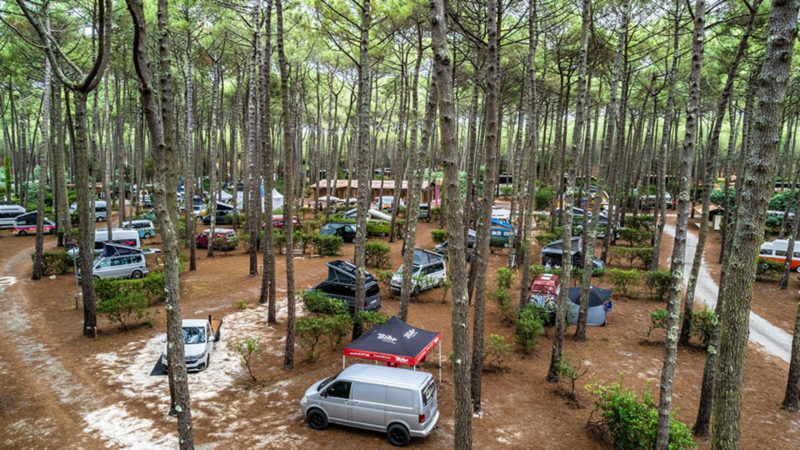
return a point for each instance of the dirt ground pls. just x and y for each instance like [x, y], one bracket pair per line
[61, 390]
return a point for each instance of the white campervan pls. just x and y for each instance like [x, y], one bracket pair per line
[100, 210]
[8, 213]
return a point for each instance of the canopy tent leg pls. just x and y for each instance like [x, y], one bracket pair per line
[343, 357]
[440, 362]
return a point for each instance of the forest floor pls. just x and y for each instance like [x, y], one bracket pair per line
[60, 390]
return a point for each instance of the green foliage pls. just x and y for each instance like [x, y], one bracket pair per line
[242, 305]
[377, 254]
[530, 325]
[439, 236]
[121, 306]
[631, 422]
[642, 254]
[544, 197]
[497, 242]
[545, 238]
[506, 191]
[703, 323]
[658, 319]
[769, 270]
[245, 240]
[317, 330]
[436, 212]
[55, 263]
[278, 241]
[378, 228]
[339, 218]
[385, 279]
[623, 280]
[7, 173]
[535, 271]
[642, 221]
[150, 287]
[496, 353]
[635, 236]
[317, 302]
[570, 370]
[507, 309]
[302, 240]
[248, 352]
[718, 196]
[305, 210]
[327, 245]
[504, 278]
[311, 226]
[658, 283]
[779, 201]
[371, 318]
[447, 283]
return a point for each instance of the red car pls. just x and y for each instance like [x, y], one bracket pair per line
[224, 239]
[544, 291]
[277, 222]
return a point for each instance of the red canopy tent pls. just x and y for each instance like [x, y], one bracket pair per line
[395, 342]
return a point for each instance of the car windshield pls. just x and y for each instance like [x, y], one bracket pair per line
[194, 335]
[326, 382]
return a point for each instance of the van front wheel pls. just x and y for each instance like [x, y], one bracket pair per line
[317, 419]
[136, 274]
[398, 435]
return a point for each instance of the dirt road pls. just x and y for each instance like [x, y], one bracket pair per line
[772, 339]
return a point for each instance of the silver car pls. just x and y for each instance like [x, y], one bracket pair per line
[121, 266]
[401, 403]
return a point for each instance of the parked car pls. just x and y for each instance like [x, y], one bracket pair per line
[222, 218]
[552, 254]
[100, 211]
[544, 292]
[341, 284]
[429, 271]
[119, 261]
[425, 212]
[442, 248]
[25, 224]
[277, 222]
[143, 227]
[224, 239]
[401, 403]
[344, 230]
[149, 215]
[198, 343]
[9, 213]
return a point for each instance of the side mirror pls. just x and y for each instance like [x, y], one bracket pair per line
[163, 340]
[324, 394]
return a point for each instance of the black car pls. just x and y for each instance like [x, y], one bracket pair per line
[346, 231]
[222, 218]
[341, 284]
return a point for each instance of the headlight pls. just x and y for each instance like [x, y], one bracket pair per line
[304, 400]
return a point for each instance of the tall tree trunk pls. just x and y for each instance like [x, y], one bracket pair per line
[191, 180]
[39, 245]
[679, 247]
[212, 164]
[268, 290]
[288, 192]
[179, 387]
[253, 184]
[571, 161]
[757, 187]
[454, 212]
[605, 159]
[364, 177]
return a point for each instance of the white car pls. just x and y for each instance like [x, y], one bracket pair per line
[429, 271]
[198, 344]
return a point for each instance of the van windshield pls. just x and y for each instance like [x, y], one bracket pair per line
[429, 392]
[326, 382]
[194, 335]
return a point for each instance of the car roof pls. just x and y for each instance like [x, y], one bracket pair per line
[389, 376]
[194, 322]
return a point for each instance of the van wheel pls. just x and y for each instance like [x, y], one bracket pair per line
[384, 234]
[147, 235]
[317, 419]
[136, 274]
[398, 435]
[415, 292]
[22, 233]
[797, 269]
[53, 231]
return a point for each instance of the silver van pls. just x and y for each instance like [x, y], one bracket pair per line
[399, 402]
[119, 261]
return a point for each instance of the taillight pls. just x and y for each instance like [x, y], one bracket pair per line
[365, 303]
[422, 418]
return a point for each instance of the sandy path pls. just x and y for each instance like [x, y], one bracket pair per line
[772, 339]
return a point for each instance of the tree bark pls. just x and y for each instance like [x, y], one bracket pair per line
[268, 290]
[757, 188]
[679, 247]
[454, 212]
[39, 245]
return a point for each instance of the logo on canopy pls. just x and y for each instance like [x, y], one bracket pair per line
[387, 338]
[410, 333]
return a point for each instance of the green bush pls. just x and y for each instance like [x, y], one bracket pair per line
[439, 236]
[249, 352]
[544, 196]
[327, 245]
[658, 283]
[506, 191]
[377, 254]
[623, 280]
[658, 319]
[385, 279]
[311, 226]
[631, 422]
[635, 236]
[530, 325]
[124, 307]
[545, 238]
[643, 221]
[378, 228]
[55, 263]
[436, 212]
[497, 242]
[644, 255]
[314, 331]
[703, 323]
[769, 270]
[504, 278]
[317, 302]
[371, 318]
[496, 353]
[507, 309]
[302, 240]
[572, 371]
[151, 287]
[278, 241]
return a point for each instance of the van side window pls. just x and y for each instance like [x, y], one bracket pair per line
[340, 390]
[765, 251]
[370, 393]
[399, 397]
[780, 252]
